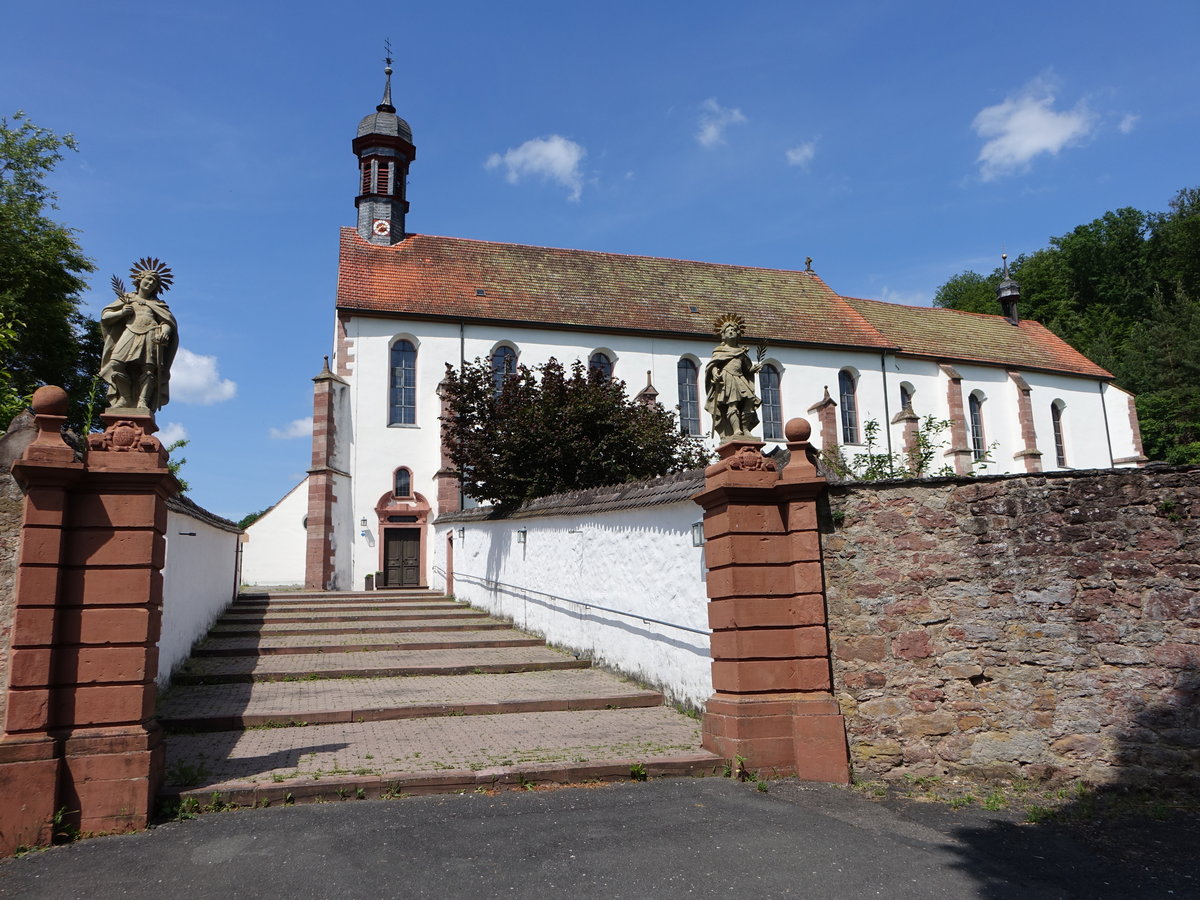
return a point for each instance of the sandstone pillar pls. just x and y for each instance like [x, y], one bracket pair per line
[773, 703]
[30, 755]
[79, 733]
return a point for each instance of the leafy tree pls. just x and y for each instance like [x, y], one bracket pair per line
[1120, 289]
[247, 520]
[176, 465]
[46, 339]
[548, 430]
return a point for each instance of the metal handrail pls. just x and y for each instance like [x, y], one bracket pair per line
[486, 582]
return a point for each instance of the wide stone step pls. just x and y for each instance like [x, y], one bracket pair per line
[450, 612]
[452, 753]
[415, 626]
[226, 707]
[267, 645]
[291, 609]
[336, 596]
[373, 664]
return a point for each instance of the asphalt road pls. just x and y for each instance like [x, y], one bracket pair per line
[675, 838]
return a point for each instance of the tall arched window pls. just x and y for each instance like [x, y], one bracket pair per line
[1060, 445]
[772, 403]
[504, 365]
[978, 438]
[601, 363]
[402, 396]
[848, 400]
[402, 486]
[689, 397]
[905, 396]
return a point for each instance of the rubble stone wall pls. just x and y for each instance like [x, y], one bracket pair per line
[11, 504]
[1042, 626]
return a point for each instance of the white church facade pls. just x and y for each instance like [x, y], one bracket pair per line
[1018, 398]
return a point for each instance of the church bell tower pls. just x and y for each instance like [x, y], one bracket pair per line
[384, 149]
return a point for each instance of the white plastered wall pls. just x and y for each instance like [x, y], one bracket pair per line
[276, 542]
[199, 582]
[373, 449]
[640, 562]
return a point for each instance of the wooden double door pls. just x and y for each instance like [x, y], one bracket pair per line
[401, 557]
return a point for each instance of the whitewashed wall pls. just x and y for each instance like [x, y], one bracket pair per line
[640, 562]
[276, 542]
[370, 449]
[199, 582]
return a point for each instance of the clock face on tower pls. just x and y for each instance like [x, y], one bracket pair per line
[382, 227]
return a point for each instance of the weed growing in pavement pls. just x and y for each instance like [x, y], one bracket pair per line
[638, 772]
[185, 774]
[62, 831]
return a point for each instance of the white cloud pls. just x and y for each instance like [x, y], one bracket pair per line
[297, 428]
[172, 432]
[554, 158]
[714, 119]
[1026, 125]
[1127, 122]
[195, 379]
[904, 298]
[802, 154]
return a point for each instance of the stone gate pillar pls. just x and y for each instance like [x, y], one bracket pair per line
[773, 703]
[79, 733]
[30, 754]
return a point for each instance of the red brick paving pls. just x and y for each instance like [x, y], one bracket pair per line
[418, 723]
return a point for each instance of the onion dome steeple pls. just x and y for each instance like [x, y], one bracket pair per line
[1008, 292]
[385, 150]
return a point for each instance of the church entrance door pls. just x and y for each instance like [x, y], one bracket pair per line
[402, 557]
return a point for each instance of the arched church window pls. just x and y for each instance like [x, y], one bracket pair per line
[689, 397]
[402, 483]
[1060, 445]
[504, 365]
[978, 438]
[601, 363]
[772, 403]
[402, 395]
[905, 396]
[848, 401]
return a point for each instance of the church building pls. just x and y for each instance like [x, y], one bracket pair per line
[1019, 399]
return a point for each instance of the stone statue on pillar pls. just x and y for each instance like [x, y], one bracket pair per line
[140, 341]
[729, 383]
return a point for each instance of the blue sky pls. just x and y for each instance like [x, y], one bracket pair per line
[897, 143]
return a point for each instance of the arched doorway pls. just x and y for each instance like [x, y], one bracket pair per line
[402, 544]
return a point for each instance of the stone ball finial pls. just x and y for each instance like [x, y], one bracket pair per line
[797, 430]
[50, 400]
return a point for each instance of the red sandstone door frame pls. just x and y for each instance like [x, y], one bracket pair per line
[395, 514]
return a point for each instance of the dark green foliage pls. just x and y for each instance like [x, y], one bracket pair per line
[248, 520]
[44, 337]
[1123, 290]
[550, 430]
[175, 465]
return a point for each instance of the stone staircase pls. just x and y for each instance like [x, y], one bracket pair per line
[324, 696]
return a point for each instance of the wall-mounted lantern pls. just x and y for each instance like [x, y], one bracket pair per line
[521, 533]
[462, 533]
[362, 523]
[698, 534]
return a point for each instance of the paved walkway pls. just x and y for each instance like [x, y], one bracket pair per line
[319, 711]
[707, 837]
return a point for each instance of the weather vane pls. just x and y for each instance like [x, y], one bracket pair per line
[387, 49]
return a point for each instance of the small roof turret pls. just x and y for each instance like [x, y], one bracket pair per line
[384, 120]
[1008, 292]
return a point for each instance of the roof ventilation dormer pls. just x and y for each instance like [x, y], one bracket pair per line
[1009, 294]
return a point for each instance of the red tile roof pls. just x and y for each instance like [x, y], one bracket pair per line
[973, 337]
[430, 277]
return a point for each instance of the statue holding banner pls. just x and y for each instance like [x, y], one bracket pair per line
[140, 341]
